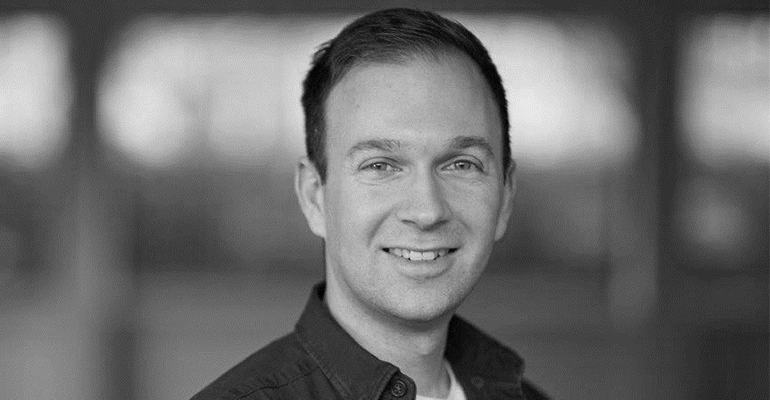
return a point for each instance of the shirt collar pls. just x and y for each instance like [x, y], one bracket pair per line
[479, 362]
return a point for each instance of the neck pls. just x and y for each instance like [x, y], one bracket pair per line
[417, 349]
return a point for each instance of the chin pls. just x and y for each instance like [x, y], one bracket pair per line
[415, 309]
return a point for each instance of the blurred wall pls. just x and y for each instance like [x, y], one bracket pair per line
[150, 238]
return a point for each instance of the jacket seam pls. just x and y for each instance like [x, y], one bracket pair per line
[251, 389]
[320, 365]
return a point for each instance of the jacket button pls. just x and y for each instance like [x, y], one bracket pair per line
[398, 389]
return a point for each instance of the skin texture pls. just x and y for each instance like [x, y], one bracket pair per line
[415, 162]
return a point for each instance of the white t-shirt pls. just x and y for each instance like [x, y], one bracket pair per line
[455, 390]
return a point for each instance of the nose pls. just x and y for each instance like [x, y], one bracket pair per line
[424, 205]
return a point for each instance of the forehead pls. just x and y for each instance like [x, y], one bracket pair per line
[423, 98]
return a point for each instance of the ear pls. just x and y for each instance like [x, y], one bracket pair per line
[506, 209]
[310, 193]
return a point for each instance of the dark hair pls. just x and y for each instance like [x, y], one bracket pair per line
[390, 36]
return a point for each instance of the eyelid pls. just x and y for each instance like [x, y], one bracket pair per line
[469, 159]
[368, 163]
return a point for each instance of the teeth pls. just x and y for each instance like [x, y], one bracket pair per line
[419, 255]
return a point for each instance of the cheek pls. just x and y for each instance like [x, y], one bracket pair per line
[476, 205]
[355, 212]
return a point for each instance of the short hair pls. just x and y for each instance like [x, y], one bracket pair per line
[390, 36]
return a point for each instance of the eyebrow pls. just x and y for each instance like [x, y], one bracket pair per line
[465, 142]
[387, 145]
[392, 145]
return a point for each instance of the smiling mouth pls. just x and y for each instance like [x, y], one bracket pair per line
[413, 255]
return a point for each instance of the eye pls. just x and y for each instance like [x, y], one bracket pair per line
[463, 166]
[379, 167]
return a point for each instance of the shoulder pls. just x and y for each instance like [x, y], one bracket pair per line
[532, 392]
[278, 364]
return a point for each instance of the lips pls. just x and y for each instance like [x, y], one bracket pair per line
[419, 255]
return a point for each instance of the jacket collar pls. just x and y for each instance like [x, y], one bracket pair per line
[482, 365]
[352, 370]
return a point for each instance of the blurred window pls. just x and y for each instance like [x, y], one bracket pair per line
[725, 94]
[35, 102]
[178, 91]
[720, 211]
[35, 91]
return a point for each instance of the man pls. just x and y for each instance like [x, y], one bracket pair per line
[409, 182]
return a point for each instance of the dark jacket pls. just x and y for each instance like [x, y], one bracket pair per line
[319, 360]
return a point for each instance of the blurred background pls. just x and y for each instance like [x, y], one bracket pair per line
[150, 238]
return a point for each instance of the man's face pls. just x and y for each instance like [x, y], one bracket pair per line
[415, 193]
